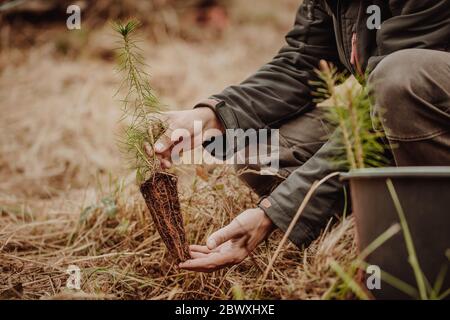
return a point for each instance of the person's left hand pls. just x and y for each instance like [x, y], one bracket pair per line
[231, 244]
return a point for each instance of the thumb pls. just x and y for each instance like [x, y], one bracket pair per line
[163, 144]
[228, 232]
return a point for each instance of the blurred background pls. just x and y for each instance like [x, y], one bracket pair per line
[59, 115]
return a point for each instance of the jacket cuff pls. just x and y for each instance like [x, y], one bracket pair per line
[224, 113]
[301, 235]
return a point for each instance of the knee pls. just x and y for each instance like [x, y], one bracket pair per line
[261, 184]
[395, 76]
[394, 83]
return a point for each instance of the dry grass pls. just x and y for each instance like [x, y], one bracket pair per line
[121, 255]
[62, 203]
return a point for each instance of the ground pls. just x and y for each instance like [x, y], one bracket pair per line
[67, 198]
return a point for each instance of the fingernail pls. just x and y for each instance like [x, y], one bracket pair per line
[168, 164]
[211, 243]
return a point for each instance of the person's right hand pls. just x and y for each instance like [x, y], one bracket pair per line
[183, 120]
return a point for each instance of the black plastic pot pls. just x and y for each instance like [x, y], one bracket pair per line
[424, 193]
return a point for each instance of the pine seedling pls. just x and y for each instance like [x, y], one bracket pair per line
[360, 146]
[141, 107]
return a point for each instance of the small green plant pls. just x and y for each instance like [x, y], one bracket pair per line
[359, 145]
[140, 105]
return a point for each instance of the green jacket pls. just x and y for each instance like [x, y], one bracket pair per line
[336, 31]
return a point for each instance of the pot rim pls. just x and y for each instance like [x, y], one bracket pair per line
[394, 172]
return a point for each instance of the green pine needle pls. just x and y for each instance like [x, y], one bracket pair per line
[359, 144]
[140, 105]
[126, 29]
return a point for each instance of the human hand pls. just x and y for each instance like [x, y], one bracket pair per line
[183, 120]
[231, 244]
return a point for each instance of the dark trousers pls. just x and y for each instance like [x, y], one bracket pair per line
[411, 94]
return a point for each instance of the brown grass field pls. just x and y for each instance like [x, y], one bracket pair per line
[66, 196]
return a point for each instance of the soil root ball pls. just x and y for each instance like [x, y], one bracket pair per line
[161, 196]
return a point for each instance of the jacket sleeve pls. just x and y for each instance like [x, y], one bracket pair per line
[327, 201]
[415, 24]
[280, 89]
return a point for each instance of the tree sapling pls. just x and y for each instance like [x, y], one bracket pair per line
[141, 107]
[359, 144]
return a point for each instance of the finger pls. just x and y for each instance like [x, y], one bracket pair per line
[166, 164]
[210, 263]
[148, 149]
[198, 255]
[163, 144]
[163, 117]
[228, 232]
[197, 248]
